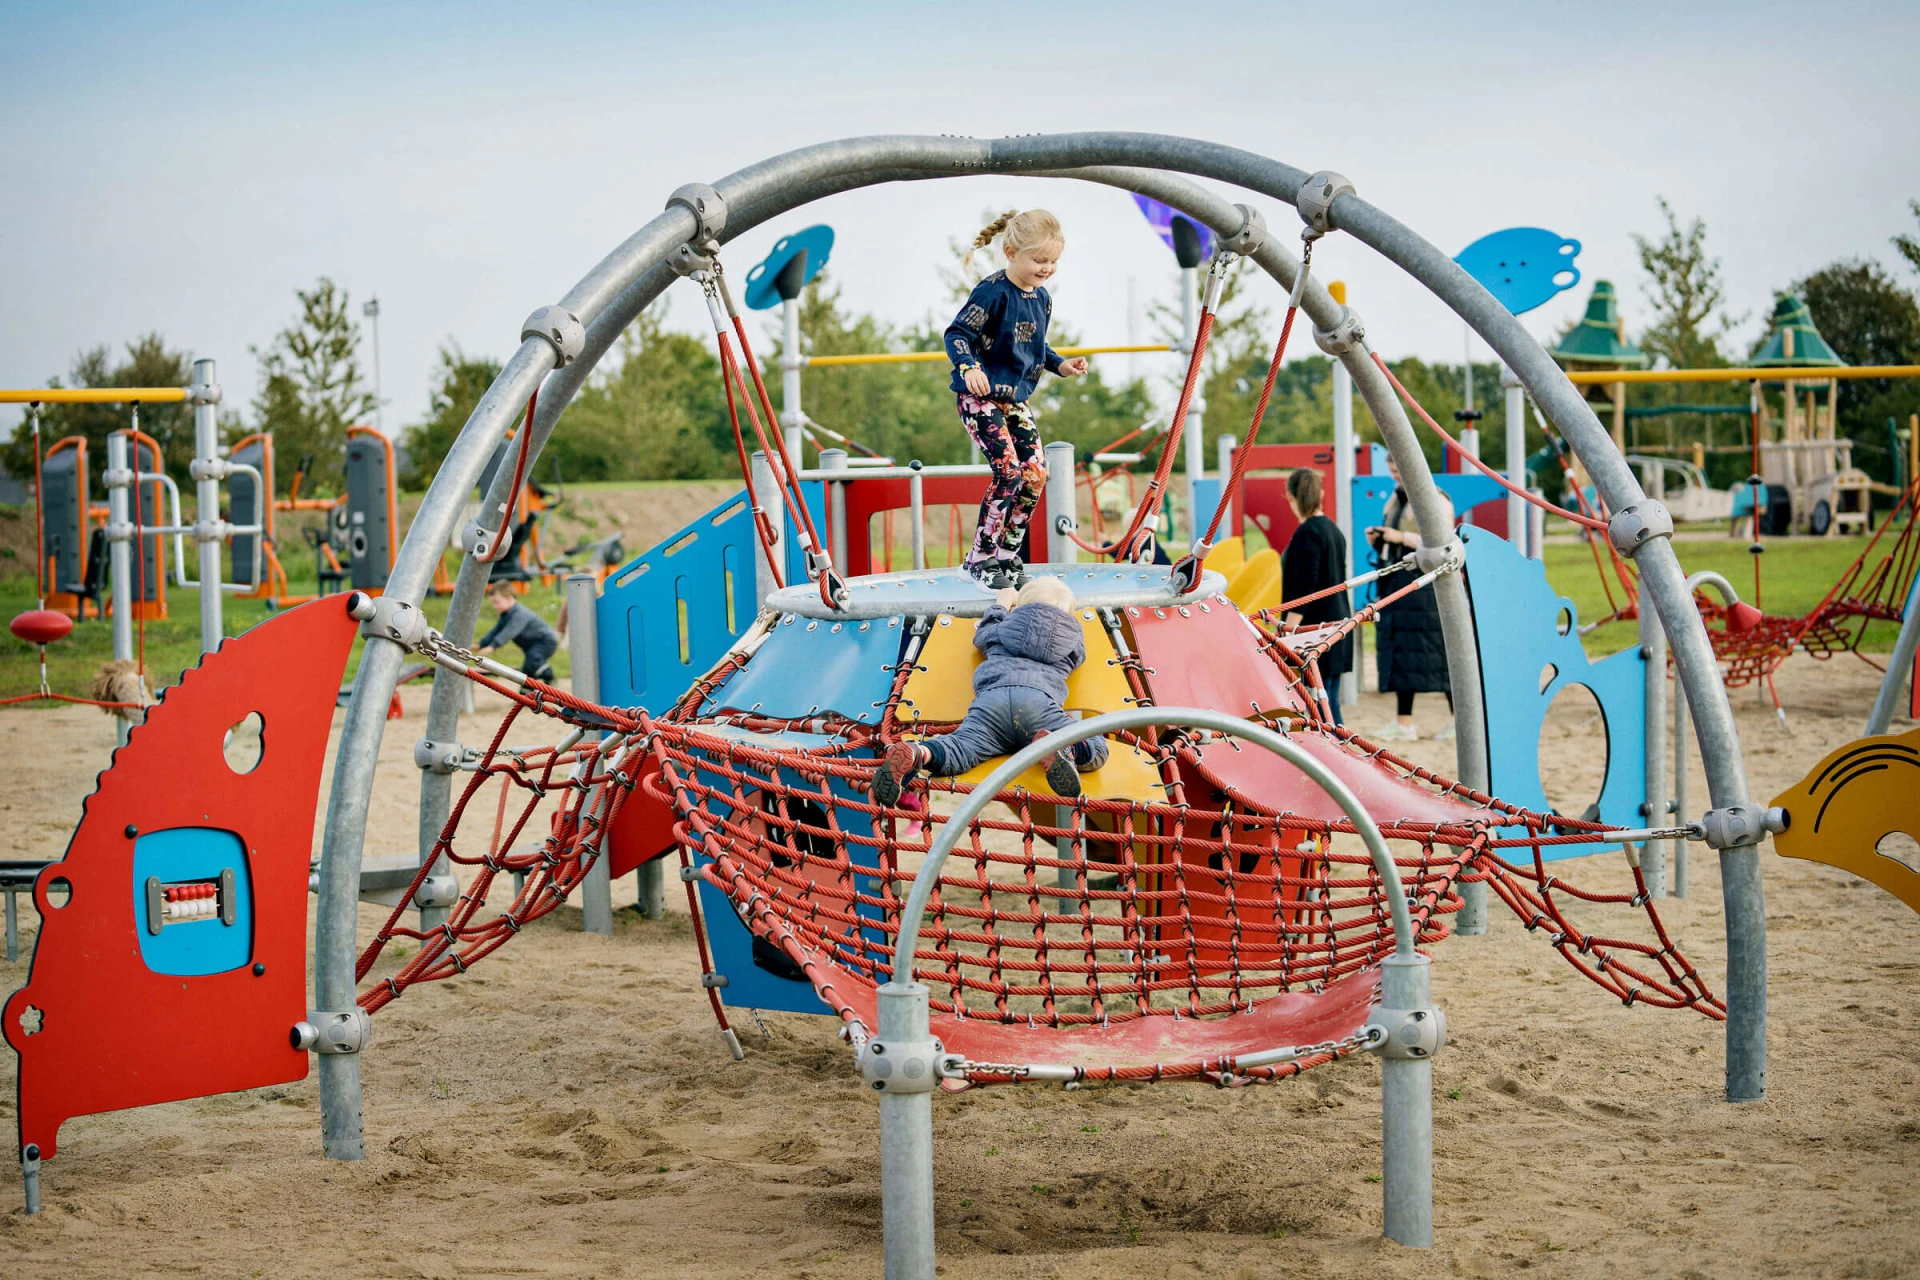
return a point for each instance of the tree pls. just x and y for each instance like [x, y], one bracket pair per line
[463, 379]
[659, 414]
[1685, 290]
[148, 363]
[1908, 246]
[310, 386]
[1868, 318]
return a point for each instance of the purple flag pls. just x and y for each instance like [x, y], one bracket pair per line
[1161, 218]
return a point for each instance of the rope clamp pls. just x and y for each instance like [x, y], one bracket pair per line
[906, 1066]
[1633, 527]
[560, 329]
[1315, 200]
[1740, 825]
[1347, 333]
[1405, 1033]
[708, 207]
[390, 618]
[329, 1032]
[1250, 235]
[438, 757]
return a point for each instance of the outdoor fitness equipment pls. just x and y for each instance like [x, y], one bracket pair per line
[709, 756]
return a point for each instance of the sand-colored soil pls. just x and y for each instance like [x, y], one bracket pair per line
[567, 1109]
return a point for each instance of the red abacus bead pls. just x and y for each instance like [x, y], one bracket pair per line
[41, 626]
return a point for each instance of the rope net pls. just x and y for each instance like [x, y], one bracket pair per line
[1160, 930]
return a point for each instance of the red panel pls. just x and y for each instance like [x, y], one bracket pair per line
[1264, 498]
[867, 498]
[114, 1033]
[1275, 785]
[643, 829]
[1208, 657]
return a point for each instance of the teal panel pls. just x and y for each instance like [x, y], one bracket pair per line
[810, 666]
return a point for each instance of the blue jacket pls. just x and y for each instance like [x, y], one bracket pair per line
[1003, 331]
[522, 626]
[1035, 647]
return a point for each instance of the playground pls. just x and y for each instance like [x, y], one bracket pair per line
[563, 1111]
[978, 868]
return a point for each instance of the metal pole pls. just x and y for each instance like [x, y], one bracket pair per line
[1536, 527]
[1062, 503]
[1343, 468]
[766, 495]
[1653, 853]
[1223, 446]
[906, 1144]
[206, 442]
[120, 548]
[1680, 809]
[1406, 1113]
[596, 892]
[836, 460]
[371, 310]
[1899, 665]
[917, 509]
[1516, 459]
[792, 417]
[13, 925]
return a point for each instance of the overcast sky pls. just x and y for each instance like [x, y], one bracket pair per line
[183, 168]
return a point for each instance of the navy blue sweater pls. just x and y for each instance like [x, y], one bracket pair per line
[1036, 646]
[1003, 331]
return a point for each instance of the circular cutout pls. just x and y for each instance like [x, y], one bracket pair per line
[59, 892]
[245, 744]
[1563, 621]
[1572, 752]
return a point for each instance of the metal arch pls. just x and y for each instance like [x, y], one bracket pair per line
[626, 279]
[988, 790]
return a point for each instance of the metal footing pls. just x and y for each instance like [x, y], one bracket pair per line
[1406, 1108]
[30, 1175]
[1471, 922]
[651, 881]
[906, 1145]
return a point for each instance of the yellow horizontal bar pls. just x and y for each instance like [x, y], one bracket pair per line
[1595, 377]
[95, 395]
[928, 357]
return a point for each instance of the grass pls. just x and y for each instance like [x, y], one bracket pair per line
[1796, 574]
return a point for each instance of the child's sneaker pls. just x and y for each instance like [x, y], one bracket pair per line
[1394, 731]
[986, 573]
[1008, 571]
[1445, 734]
[1062, 778]
[901, 762]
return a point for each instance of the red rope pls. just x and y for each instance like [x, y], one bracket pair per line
[519, 474]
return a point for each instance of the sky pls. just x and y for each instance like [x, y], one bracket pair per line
[183, 168]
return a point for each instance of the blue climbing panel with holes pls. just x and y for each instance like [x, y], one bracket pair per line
[1371, 495]
[758, 975]
[669, 614]
[1530, 652]
[811, 666]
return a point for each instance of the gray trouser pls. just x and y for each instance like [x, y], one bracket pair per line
[999, 723]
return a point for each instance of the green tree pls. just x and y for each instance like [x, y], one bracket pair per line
[1908, 246]
[1868, 318]
[148, 363]
[659, 413]
[310, 385]
[462, 380]
[1684, 286]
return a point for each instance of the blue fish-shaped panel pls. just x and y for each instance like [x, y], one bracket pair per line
[811, 246]
[1522, 266]
[810, 666]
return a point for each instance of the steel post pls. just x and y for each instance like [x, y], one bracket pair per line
[1536, 528]
[836, 494]
[1899, 666]
[1516, 458]
[583, 592]
[1680, 810]
[206, 442]
[1062, 502]
[13, 925]
[1343, 469]
[765, 494]
[906, 1145]
[792, 417]
[120, 553]
[917, 513]
[1653, 853]
[1406, 1113]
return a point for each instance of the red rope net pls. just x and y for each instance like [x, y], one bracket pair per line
[1157, 938]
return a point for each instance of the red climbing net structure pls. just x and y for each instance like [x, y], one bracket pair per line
[1201, 901]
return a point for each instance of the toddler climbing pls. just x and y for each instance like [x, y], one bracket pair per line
[1032, 643]
[520, 625]
[998, 345]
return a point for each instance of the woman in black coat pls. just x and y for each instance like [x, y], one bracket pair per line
[1410, 649]
[1315, 559]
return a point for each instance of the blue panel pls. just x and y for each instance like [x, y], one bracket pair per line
[1517, 618]
[1206, 496]
[763, 280]
[1372, 493]
[809, 666]
[750, 985]
[639, 615]
[193, 948]
[814, 494]
[1522, 266]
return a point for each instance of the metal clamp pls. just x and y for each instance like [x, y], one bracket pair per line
[903, 1066]
[389, 619]
[119, 531]
[1449, 557]
[560, 329]
[1739, 825]
[713, 981]
[1250, 235]
[210, 468]
[437, 891]
[438, 757]
[1406, 1033]
[325, 1032]
[202, 392]
[689, 874]
[1633, 527]
[708, 207]
[117, 477]
[1315, 200]
[694, 259]
[212, 530]
[1347, 333]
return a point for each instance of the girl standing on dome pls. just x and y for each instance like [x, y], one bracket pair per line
[998, 346]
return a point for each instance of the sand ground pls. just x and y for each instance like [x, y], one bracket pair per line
[567, 1109]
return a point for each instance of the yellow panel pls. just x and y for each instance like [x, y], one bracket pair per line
[1127, 775]
[1227, 557]
[941, 688]
[1257, 585]
[1880, 777]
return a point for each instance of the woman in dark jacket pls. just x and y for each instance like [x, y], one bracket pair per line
[1315, 559]
[1411, 652]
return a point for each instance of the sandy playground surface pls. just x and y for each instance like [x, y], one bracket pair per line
[568, 1109]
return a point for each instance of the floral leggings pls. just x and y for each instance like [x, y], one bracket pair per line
[1010, 444]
